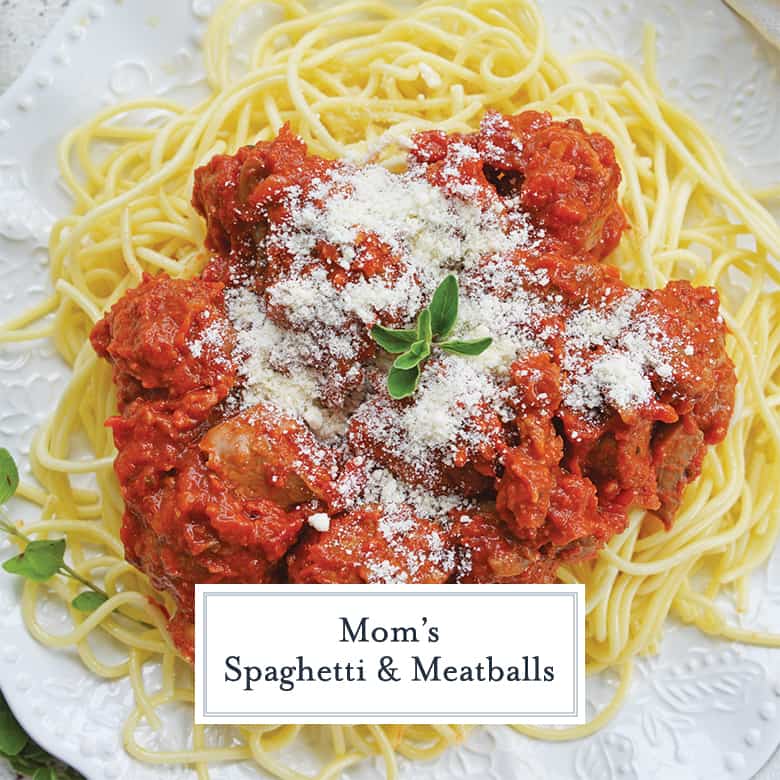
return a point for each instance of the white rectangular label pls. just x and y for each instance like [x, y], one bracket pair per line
[390, 654]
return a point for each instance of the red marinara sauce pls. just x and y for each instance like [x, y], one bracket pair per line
[608, 398]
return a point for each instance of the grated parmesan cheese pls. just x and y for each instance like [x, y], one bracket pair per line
[404, 211]
[630, 345]
[402, 507]
[270, 362]
[325, 327]
[211, 337]
[309, 330]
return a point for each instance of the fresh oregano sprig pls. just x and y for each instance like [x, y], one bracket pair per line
[41, 559]
[38, 559]
[414, 346]
[9, 475]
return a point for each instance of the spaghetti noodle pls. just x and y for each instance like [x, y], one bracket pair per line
[351, 80]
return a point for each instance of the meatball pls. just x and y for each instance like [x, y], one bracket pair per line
[168, 335]
[488, 552]
[231, 191]
[565, 178]
[266, 454]
[570, 183]
[447, 450]
[372, 545]
[678, 452]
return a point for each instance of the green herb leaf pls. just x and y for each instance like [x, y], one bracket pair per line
[393, 341]
[45, 773]
[88, 601]
[401, 382]
[9, 476]
[413, 347]
[424, 330]
[21, 764]
[413, 356]
[475, 347]
[12, 735]
[40, 560]
[444, 307]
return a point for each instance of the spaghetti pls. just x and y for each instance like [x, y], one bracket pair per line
[351, 80]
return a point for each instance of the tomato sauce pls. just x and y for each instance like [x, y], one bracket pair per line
[217, 490]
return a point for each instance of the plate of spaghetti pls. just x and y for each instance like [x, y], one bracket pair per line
[395, 292]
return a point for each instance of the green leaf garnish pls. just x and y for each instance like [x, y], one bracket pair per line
[12, 735]
[414, 356]
[45, 773]
[402, 382]
[444, 307]
[89, 601]
[413, 347]
[473, 347]
[393, 341]
[9, 476]
[424, 329]
[41, 560]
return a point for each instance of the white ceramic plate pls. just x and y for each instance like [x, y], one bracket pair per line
[701, 709]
